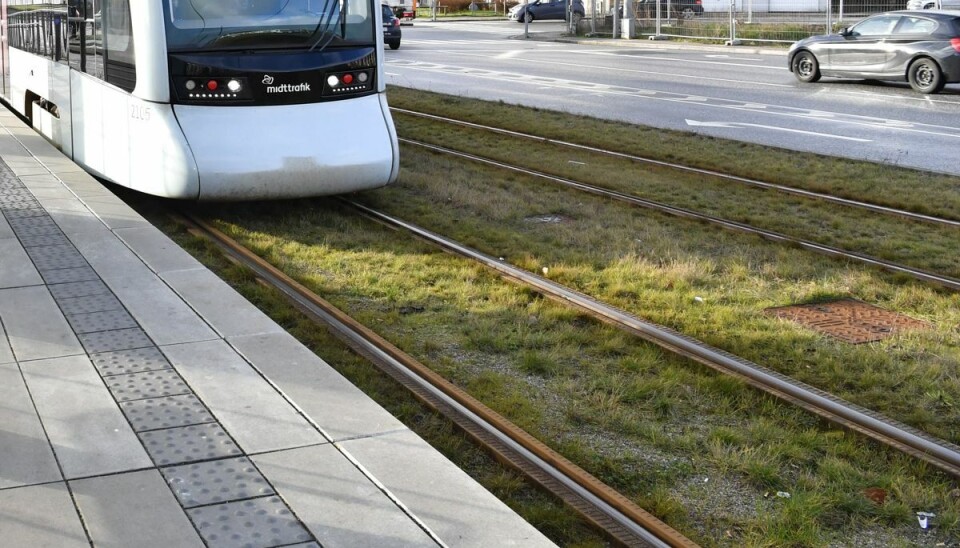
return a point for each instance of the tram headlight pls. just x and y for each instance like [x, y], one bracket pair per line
[233, 86]
[333, 81]
[363, 77]
[190, 85]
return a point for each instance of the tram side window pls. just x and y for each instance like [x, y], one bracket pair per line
[41, 29]
[118, 44]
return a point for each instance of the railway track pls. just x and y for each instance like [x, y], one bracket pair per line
[926, 276]
[901, 213]
[939, 453]
[615, 514]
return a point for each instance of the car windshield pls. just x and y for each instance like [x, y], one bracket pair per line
[196, 25]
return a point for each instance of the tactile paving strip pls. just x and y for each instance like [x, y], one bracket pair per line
[189, 444]
[120, 339]
[172, 423]
[78, 289]
[56, 256]
[109, 320]
[130, 361]
[261, 522]
[68, 275]
[90, 303]
[217, 481]
[165, 412]
[145, 385]
[849, 320]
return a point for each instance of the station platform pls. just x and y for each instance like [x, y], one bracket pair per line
[145, 403]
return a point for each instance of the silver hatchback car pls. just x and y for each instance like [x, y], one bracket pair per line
[920, 47]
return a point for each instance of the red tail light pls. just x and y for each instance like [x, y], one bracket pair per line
[955, 42]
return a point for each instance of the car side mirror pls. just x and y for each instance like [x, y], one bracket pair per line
[845, 31]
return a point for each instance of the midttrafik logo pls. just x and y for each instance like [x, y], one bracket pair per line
[283, 88]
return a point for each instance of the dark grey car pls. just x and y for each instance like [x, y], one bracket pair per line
[920, 47]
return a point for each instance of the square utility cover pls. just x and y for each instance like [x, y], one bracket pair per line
[849, 320]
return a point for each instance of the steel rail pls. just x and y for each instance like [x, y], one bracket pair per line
[599, 503]
[680, 167]
[945, 281]
[940, 453]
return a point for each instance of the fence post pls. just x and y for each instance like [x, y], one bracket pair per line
[733, 25]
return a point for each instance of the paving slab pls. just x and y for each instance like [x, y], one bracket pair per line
[229, 313]
[338, 407]
[35, 326]
[251, 410]
[5, 231]
[133, 509]
[25, 454]
[160, 312]
[6, 353]
[89, 434]
[456, 508]
[336, 502]
[16, 269]
[158, 251]
[40, 516]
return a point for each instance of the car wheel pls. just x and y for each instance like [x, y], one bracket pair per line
[688, 13]
[925, 76]
[805, 67]
[395, 44]
[528, 17]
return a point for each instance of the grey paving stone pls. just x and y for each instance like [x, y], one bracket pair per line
[35, 326]
[73, 290]
[5, 231]
[160, 311]
[34, 223]
[88, 433]
[165, 412]
[340, 409]
[130, 361]
[446, 499]
[16, 269]
[40, 515]
[257, 416]
[148, 384]
[56, 256]
[133, 509]
[25, 455]
[69, 275]
[21, 213]
[252, 523]
[112, 211]
[337, 503]
[189, 444]
[109, 320]
[6, 353]
[212, 482]
[45, 240]
[120, 339]
[229, 313]
[155, 249]
[90, 303]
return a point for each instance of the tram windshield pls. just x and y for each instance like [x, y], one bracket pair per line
[195, 25]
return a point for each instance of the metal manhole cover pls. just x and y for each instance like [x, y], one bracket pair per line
[849, 320]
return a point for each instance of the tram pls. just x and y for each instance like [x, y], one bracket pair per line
[206, 99]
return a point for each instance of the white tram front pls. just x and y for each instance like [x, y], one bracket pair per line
[207, 99]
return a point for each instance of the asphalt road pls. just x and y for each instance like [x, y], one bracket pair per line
[743, 93]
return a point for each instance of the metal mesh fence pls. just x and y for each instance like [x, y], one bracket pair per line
[733, 21]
